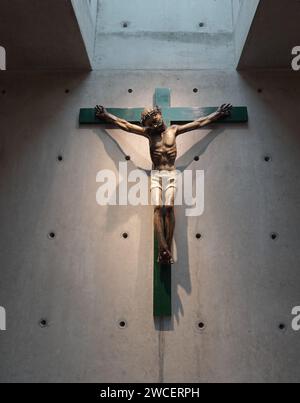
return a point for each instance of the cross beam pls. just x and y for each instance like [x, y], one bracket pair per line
[171, 115]
[162, 285]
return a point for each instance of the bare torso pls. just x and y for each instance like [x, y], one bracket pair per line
[163, 149]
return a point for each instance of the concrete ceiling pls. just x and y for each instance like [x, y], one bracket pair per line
[41, 34]
[274, 32]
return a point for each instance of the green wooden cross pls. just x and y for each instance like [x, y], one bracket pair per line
[162, 285]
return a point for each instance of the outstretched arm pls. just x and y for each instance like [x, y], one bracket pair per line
[223, 111]
[101, 113]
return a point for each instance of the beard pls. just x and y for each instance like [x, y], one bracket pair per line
[159, 125]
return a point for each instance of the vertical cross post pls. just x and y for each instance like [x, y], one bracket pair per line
[162, 273]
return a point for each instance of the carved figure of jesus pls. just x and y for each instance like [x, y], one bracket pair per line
[163, 152]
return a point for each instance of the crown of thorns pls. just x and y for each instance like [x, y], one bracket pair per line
[151, 113]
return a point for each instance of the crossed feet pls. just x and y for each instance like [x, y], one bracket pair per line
[165, 257]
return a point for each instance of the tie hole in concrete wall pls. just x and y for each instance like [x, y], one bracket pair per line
[201, 24]
[195, 90]
[200, 326]
[196, 158]
[122, 324]
[130, 90]
[282, 327]
[60, 158]
[125, 24]
[3, 92]
[127, 158]
[51, 235]
[260, 90]
[125, 235]
[267, 158]
[274, 236]
[199, 236]
[67, 91]
[43, 323]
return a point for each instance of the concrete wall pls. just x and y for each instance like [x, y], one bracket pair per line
[244, 13]
[236, 280]
[164, 34]
[86, 13]
[236, 7]
[43, 35]
[165, 15]
[273, 34]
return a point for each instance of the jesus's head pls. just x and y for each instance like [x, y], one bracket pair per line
[152, 118]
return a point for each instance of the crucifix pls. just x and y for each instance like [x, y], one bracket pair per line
[161, 125]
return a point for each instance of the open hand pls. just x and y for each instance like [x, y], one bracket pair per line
[100, 111]
[225, 110]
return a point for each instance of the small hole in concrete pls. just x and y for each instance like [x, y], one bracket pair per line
[60, 158]
[125, 24]
[127, 158]
[260, 90]
[67, 91]
[130, 90]
[274, 236]
[201, 325]
[267, 158]
[198, 236]
[3, 92]
[201, 24]
[43, 323]
[196, 158]
[125, 235]
[122, 324]
[282, 326]
[195, 90]
[51, 235]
